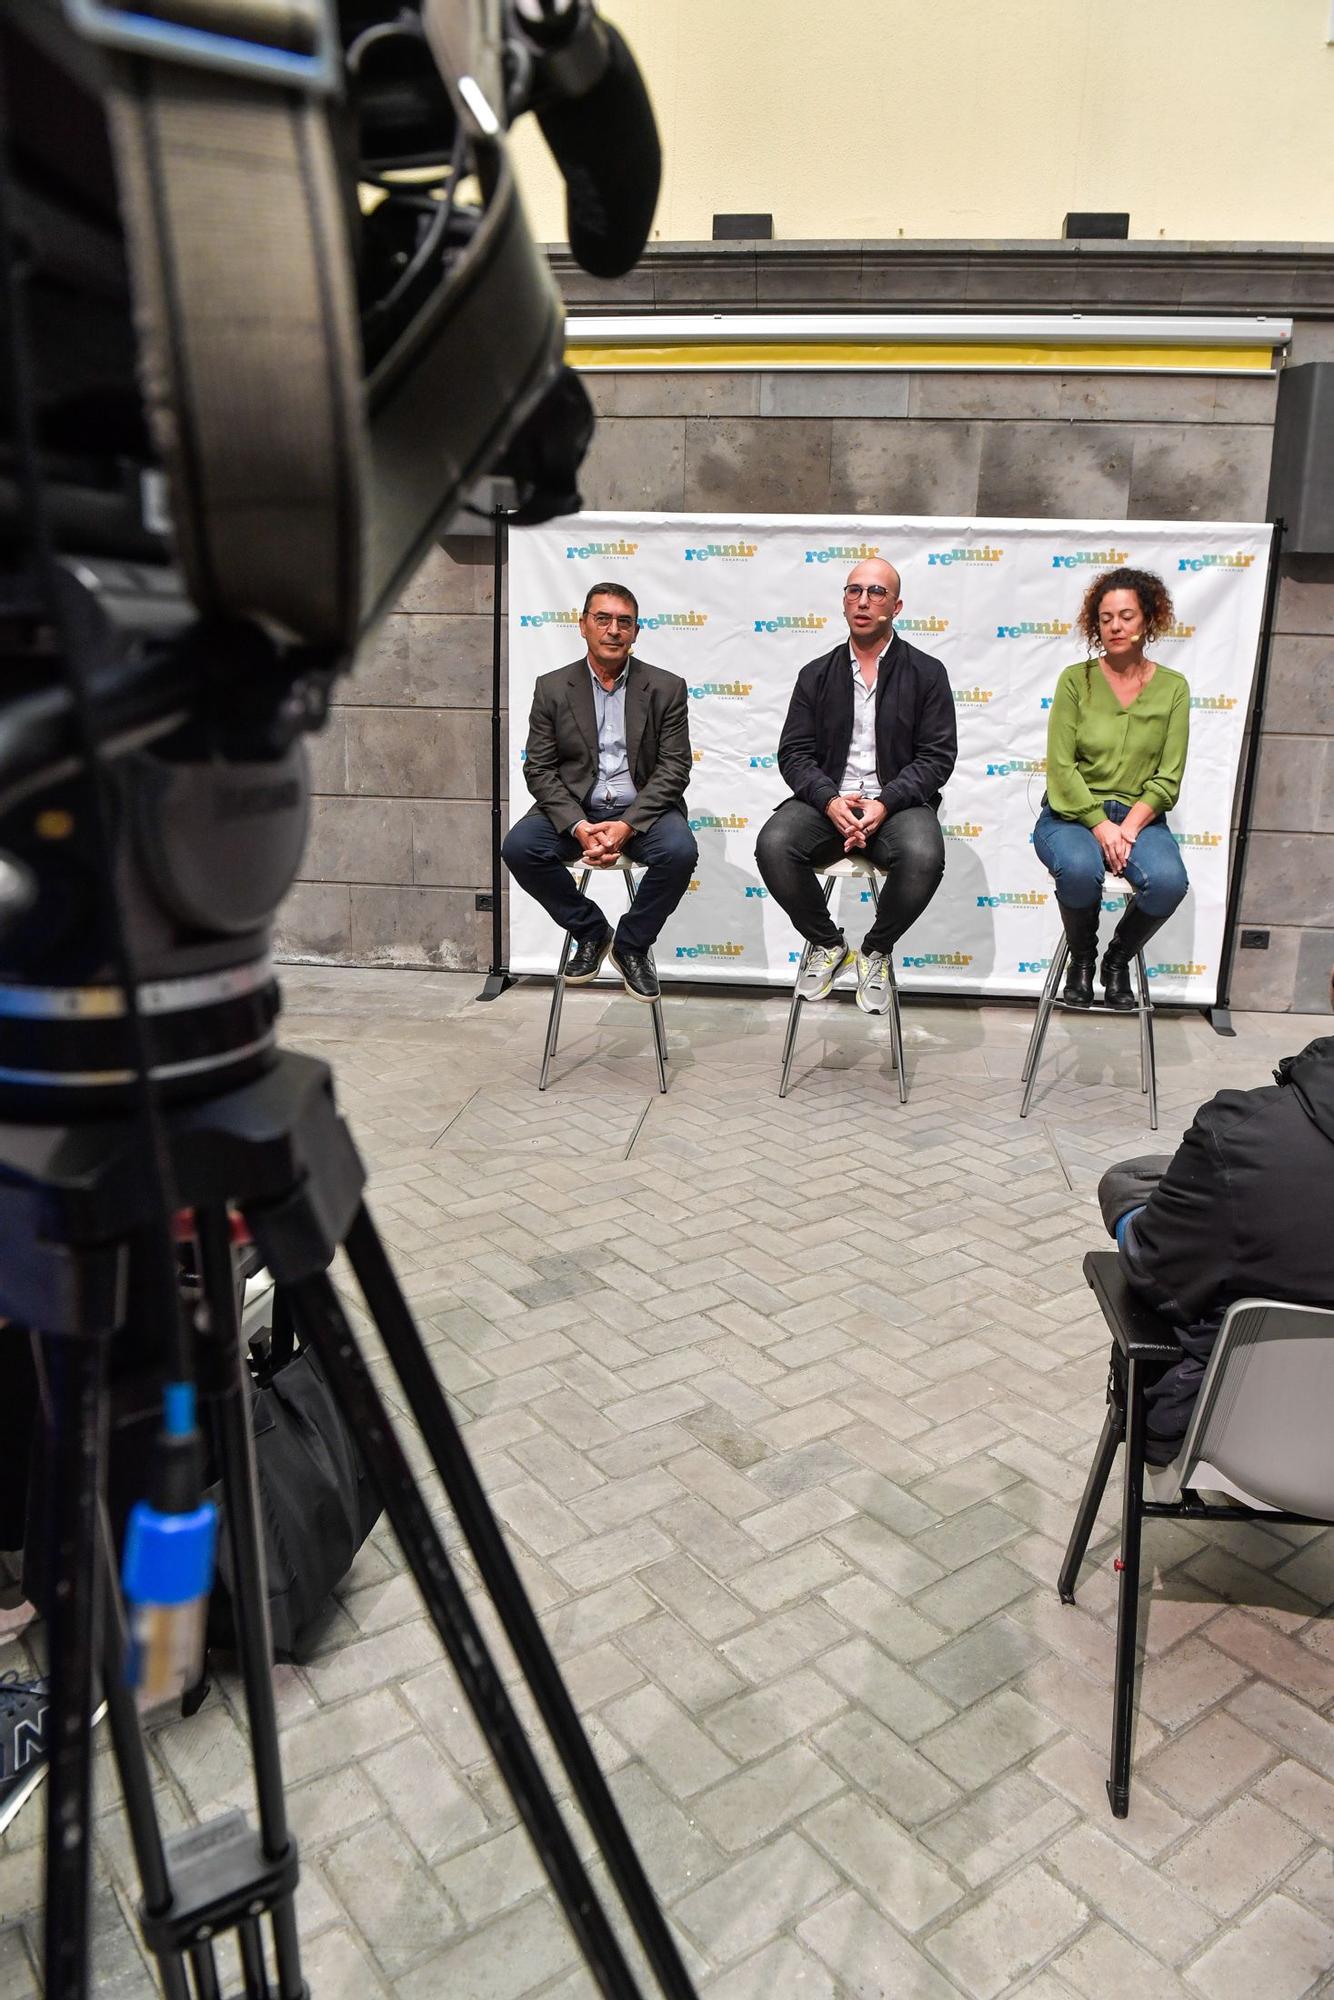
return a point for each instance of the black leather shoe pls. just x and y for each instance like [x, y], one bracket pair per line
[636, 969]
[587, 960]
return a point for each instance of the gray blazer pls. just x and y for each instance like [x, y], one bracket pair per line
[562, 759]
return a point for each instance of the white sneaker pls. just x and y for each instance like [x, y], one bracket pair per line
[873, 982]
[821, 969]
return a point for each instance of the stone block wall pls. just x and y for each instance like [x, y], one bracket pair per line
[399, 851]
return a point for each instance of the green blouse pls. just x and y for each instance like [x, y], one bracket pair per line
[1098, 750]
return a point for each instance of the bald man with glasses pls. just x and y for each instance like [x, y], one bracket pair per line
[608, 761]
[867, 746]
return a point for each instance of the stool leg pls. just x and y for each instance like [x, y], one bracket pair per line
[659, 1031]
[1040, 1026]
[1147, 1065]
[794, 1011]
[553, 1018]
[558, 995]
[793, 1015]
[1048, 992]
[896, 1034]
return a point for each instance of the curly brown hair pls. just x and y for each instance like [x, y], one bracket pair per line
[1154, 602]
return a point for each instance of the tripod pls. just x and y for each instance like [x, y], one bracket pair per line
[276, 1148]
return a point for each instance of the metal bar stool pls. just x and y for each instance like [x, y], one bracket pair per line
[852, 864]
[1143, 1008]
[625, 869]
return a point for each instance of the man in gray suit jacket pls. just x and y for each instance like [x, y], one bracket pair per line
[608, 761]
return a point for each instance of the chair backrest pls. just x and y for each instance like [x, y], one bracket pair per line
[1265, 1411]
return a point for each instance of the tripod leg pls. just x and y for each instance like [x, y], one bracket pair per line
[71, 1367]
[412, 1365]
[132, 1760]
[223, 1370]
[323, 1324]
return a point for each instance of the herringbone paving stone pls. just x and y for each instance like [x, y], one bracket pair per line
[785, 1408]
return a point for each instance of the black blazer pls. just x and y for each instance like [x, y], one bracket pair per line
[916, 742]
[562, 759]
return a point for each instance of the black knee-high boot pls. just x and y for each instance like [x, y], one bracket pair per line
[1131, 935]
[1081, 930]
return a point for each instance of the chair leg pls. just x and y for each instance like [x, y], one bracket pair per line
[1148, 1067]
[1055, 970]
[1042, 1023]
[1127, 1609]
[1113, 1430]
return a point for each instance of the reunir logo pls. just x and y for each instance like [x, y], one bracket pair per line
[710, 950]
[944, 557]
[1049, 628]
[1238, 561]
[712, 822]
[683, 621]
[723, 552]
[1027, 899]
[965, 830]
[1017, 767]
[972, 697]
[1033, 965]
[806, 621]
[921, 624]
[570, 617]
[725, 690]
[941, 958]
[1175, 971]
[1101, 558]
[1215, 704]
[600, 549]
[763, 763]
[844, 552]
[1197, 839]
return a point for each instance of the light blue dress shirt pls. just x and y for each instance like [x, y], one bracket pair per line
[614, 787]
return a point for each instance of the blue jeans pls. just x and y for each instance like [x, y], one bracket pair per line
[538, 857]
[1072, 856]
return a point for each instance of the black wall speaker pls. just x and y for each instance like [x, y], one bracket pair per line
[1301, 472]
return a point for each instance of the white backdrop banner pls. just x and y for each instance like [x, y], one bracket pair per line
[737, 604]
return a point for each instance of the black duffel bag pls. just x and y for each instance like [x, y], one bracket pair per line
[316, 1501]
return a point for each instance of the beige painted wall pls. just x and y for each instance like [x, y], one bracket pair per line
[1207, 119]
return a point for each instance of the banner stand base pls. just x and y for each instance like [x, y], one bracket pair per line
[495, 984]
[1220, 1020]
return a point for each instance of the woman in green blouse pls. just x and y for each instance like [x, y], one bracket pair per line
[1116, 749]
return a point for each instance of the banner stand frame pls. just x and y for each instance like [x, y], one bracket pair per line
[1219, 1016]
[498, 978]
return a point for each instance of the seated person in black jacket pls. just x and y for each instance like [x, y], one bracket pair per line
[1244, 1208]
[868, 743]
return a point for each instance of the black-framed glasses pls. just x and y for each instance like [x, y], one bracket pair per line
[875, 591]
[604, 620]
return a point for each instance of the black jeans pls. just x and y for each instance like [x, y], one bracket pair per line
[796, 840]
[538, 857]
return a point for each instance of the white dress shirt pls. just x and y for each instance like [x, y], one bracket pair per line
[861, 774]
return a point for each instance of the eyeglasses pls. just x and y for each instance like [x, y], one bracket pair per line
[605, 619]
[875, 591]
